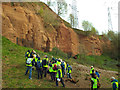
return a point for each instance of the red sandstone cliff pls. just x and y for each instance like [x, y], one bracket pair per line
[22, 24]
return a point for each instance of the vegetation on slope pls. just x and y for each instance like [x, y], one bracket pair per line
[13, 66]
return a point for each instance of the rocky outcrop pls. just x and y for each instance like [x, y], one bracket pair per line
[21, 25]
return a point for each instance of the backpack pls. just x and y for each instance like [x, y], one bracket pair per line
[39, 64]
[63, 65]
[69, 68]
[50, 64]
[55, 67]
[44, 62]
[28, 61]
[26, 55]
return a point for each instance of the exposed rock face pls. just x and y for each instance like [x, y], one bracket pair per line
[21, 25]
[93, 45]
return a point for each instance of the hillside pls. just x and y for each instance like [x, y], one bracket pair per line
[13, 69]
[36, 25]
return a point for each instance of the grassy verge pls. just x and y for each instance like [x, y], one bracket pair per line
[103, 62]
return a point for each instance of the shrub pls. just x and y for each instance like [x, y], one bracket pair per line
[12, 3]
[57, 52]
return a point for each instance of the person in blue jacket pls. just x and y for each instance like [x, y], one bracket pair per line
[96, 72]
[114, 83]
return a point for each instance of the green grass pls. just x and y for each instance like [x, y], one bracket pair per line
[49, 17]
[13, 66]
[103, 62]
[79, 32]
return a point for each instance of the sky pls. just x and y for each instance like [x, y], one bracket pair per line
[94, 11]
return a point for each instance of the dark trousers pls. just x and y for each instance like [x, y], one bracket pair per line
[63, 72]
[54, 76]
[61, 80]
[69, 75]
[45, 71]
[40, 73]
[51, 74]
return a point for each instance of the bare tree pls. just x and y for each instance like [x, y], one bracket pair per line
[61, 7]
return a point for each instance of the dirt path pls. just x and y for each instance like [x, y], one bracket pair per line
[81, 73]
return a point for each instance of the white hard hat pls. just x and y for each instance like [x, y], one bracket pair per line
[91, 66]
[113, 78]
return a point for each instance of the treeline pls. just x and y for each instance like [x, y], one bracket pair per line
[113, 49]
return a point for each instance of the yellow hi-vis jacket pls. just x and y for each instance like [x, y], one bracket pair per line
[95, 82]
[58, 63]
[50, 69]
[91, 70]
[65, 64]
[59, 73]
[29, 62]
[46, 64]
[69, 71]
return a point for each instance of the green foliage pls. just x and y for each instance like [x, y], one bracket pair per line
[79, 32]
[57, 52]
[12, 3]
[48, 16]
[112, 51]
[41, 11]
[100, 37]
[62, 7]
[13, 65]
[104, 37]
[103, 62]
[21, 4]
[67, 24]
[93, 31]
[48, 3]
[89, 28]
[72, 20]
[86, 25]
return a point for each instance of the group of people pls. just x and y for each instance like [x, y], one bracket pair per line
[57, 68]
[95, 82]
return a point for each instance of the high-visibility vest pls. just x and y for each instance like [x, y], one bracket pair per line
[30, 63]
[95, 82]
[91, 70]
[27, 53]
[36, 59]
[116, 84]
[58, 63]
[50, 69]
[97, 78]
[53, 66]
[40, 62]
[46, 63]
[57, 76]
[65, 64]
[69, 71]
